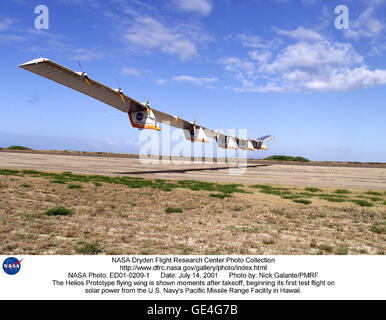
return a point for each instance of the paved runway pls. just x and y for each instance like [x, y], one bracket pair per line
[367, 177]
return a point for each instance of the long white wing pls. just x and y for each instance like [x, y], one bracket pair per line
[141, 115]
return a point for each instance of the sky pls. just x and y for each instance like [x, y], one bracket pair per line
[280, 67]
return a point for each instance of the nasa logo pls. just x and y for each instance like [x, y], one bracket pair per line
[11, 265]
[139, 116]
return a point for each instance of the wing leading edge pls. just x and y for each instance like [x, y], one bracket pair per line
[141, 115]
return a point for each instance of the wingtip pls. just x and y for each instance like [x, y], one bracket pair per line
[35, 61]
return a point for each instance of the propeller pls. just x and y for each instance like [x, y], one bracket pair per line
[84, 75]
[120, 92]
[148, 107]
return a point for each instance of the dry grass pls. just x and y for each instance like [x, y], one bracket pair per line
[114, 217]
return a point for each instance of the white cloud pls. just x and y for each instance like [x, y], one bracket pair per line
[252, 41]
[366, 26]
[130, 72]
[261, 56]
[237, 65]
[349, 79]
[160, 81]
[302, 34]
[194, 80]
[309, 2]
[202, 7]
[7, 31]
[85, 54]
[313, 58]
[6, 23]
[311, 64]
[146, 32]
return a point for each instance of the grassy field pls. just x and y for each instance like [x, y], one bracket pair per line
[66, 213]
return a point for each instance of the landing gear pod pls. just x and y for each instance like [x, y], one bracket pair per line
[142, 117]
[246, 145]
[196, 134]
[231, 143]
[225, 142]
[259, 145]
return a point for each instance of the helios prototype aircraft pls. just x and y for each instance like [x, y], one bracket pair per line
[141, 115]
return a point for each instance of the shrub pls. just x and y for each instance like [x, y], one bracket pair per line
[287, 158]
[363, 203]
[9, 172]
[88, 248]
[332, 199]
[373, 193]
[18, 148]
[325, 247]
[341, 251]
[311, 189]
[342, 191]
[303, 201]
[377, 228]
[74, 186]
[219, 195]
[173, 210]
[58, 211]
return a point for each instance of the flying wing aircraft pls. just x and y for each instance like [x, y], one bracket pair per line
[141, 115]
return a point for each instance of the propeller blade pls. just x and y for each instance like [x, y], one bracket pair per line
[84, 75]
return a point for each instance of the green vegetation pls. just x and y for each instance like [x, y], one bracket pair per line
[173, 210]
[341, 251]
[333, 198]
[210, 186]
[373, 193]
[342, 191]
[303, 201]
[378, 228]
[74, 186]
[217, 190]
[283, 192]
[250, 229]
[287, 158]
[9, 172]
[58, 211]
[18, 148]
[58, 181]
[375, 199]
[88, 248]
[312, 189]
[131, 182]
[185, 249]
[362, 203]
[326, 248]
[30, 172]
[339, 195]
[219, 195]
